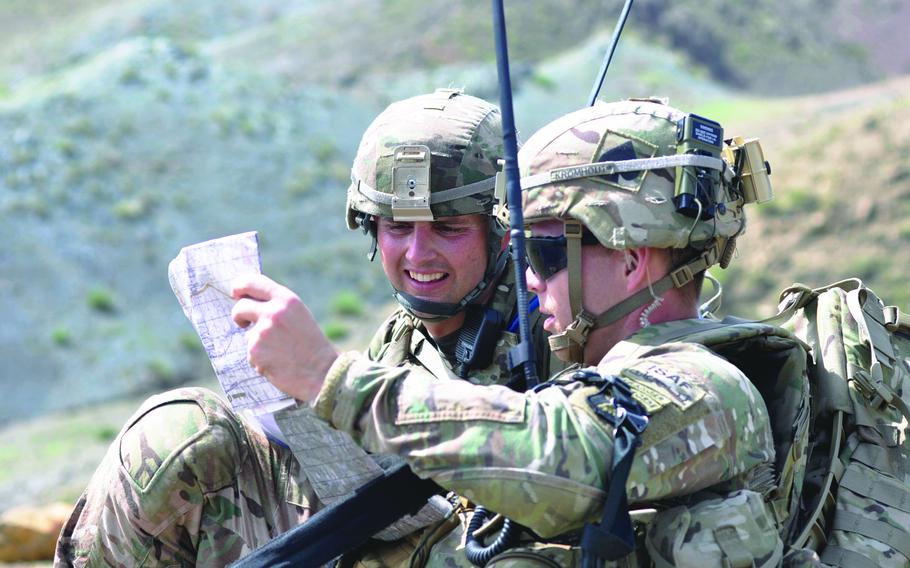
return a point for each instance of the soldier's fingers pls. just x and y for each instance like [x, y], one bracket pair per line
[246, 312]
[255, 286]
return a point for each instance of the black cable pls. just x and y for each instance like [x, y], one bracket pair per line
[476, 552]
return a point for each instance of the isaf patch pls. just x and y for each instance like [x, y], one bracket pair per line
[651, 398]
[656, 386]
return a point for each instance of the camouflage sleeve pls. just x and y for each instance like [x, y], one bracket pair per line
[543, 458]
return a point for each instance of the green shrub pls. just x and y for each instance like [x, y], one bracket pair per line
[62, 336]
[868, 267]
[162, 372]
[101, 300]
[66, 147]
[324, 150]
[347, 303]
[901, 174]
[80, 126]
[872, 123]
[335, 330]
[543, 81]
[792, 201]
[131, 76]
[189, 342]
[105, 433]
[132, 208]
[339, 172]
[801, 200]
[903, 230]
[303, 181]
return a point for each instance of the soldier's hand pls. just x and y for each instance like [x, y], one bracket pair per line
[284, 342]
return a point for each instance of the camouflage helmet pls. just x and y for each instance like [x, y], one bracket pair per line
[426, 157]
[639, 173]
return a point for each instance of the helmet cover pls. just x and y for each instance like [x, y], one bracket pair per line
[628, 209]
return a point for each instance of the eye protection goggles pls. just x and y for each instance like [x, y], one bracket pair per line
[548, 255]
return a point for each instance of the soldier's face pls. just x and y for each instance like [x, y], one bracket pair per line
[603, 281]
[439, 260]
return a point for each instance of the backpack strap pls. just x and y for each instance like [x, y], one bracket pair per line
[834, 555]
[869, 313]
[815, 531]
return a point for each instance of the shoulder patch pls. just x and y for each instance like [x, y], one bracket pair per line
[661, 384]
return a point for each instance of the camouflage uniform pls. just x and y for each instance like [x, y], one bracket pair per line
[188, 482]
[543, 458]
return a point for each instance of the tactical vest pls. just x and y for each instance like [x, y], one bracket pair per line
[843, 462]
[842, 472]
[744, 528]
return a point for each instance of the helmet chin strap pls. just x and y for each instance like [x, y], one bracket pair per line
[575, 336]
[430, 311]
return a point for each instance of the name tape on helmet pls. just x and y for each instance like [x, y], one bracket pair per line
[607, 168]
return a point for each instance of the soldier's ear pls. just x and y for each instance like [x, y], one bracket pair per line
[633, 261]
[641, 267]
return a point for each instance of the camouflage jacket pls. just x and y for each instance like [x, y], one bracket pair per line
[542, 458]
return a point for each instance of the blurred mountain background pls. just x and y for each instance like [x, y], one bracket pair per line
[131, 128]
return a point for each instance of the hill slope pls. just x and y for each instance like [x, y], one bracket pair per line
[129, 129]
[841, 175]
[115, 164]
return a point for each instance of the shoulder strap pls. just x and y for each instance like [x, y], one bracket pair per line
[391, 342]
[869, 313]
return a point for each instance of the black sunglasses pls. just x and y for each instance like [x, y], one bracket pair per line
[548, 255]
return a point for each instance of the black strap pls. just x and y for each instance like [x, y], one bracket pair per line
[347, 524]
[613, 537]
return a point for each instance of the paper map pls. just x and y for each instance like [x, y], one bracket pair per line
[335, 465]
[200, 277]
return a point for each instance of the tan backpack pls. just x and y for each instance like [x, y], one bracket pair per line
[843, 464]
[855, 504]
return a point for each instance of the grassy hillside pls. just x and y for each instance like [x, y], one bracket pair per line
[841, 176]
[129, 129]
[133, 128]
[111, 166]
[116, 158]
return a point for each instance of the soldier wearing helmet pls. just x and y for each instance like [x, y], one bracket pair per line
[406, 171]
[640, 197]
[190, 482]
[653, 439]
[422, 187]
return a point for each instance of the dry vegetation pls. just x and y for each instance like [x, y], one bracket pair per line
[841, 176]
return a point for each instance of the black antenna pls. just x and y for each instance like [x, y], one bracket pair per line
[522, 354]
[525, 352]
[617, 31]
